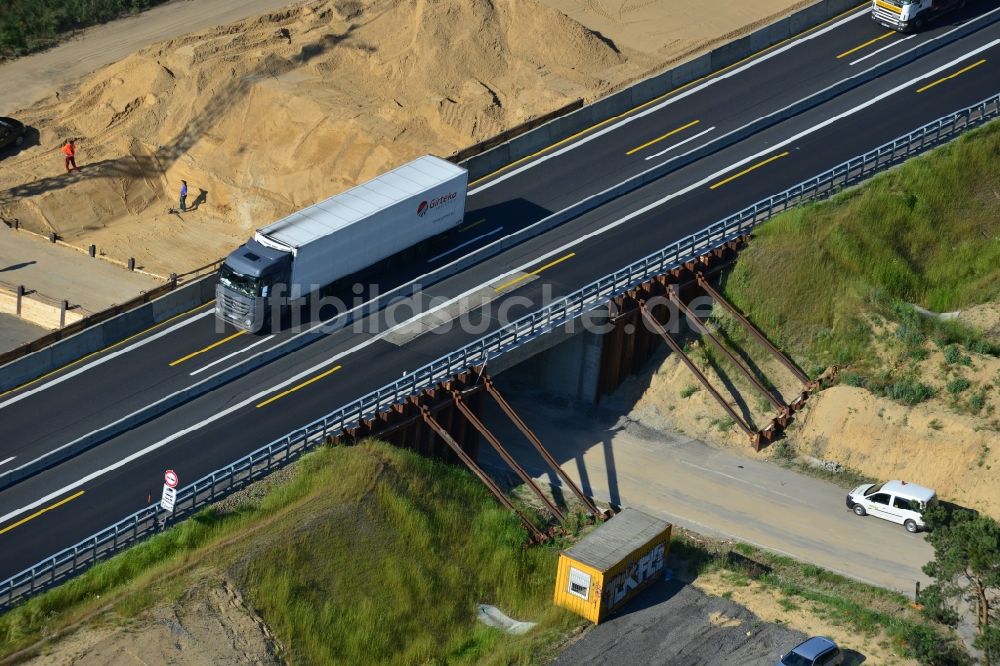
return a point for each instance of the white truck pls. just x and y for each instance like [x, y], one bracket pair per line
[910, 15]
[355, 230]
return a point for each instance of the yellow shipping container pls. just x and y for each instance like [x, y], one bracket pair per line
[612, 564]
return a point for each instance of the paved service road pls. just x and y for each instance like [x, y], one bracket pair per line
[711, 491]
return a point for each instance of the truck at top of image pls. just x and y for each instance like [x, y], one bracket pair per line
[911, 15]
[343, 235]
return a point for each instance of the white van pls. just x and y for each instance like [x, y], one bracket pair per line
[898, 501]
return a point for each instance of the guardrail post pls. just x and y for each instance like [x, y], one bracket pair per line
[20, 295]
[62, 312]
[92, 250]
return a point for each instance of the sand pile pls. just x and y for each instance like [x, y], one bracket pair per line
[275, 112]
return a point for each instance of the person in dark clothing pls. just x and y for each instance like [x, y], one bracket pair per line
[184, 195]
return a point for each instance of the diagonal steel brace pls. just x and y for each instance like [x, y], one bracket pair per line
[513, 464]
[475, 469]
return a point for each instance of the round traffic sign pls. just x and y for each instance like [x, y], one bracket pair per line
[170, 478]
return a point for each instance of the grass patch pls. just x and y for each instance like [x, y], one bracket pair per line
[367, 554]
[957, 385]
[925, 233]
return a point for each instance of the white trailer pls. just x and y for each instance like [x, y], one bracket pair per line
[340, 236]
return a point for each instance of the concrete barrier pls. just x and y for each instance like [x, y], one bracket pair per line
[99, 336]
[652, 87]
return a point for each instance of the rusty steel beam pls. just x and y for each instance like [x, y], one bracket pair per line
[542, 451]
[700, 325]
[514, 465]
[752, 434]
[536, 534]
[784, 360]
[404, 417]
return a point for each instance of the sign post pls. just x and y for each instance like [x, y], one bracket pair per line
[169, 497]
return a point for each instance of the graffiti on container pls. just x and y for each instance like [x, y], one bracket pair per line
[645, 568]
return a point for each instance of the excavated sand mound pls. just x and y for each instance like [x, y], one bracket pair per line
[278, 111]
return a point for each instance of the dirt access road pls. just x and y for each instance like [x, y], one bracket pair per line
[29, 79]
[708, 490]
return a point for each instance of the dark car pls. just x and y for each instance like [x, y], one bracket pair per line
[11, 132]
[815, 651]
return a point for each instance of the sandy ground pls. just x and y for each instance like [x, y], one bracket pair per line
[210, 625]
[272, 113]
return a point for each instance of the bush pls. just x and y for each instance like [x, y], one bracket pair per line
[929, 647]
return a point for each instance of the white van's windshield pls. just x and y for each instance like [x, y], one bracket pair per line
[874, 489]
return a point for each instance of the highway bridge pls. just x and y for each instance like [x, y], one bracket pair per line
[59, 506]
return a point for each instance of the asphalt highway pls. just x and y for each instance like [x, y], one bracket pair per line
[62, 505]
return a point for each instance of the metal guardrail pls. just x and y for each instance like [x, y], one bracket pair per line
[266, 459]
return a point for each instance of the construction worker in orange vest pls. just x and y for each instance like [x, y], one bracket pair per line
[69, 150]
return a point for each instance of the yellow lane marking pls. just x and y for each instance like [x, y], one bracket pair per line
[664, 96]
[661, 138]
[746, 171]
[101, 351]
[40, 512]
[535, 272]
[205, 349]
[462, 230]
[951, 76]
[868, 43]
[296, 388]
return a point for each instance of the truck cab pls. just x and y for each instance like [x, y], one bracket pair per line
[248, 279]
[910, 15]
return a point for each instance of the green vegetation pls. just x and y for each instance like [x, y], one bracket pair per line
[689, 390]
[28, 25]
[834, 279]
[368, 554]
[966, 565]
[862, 608]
